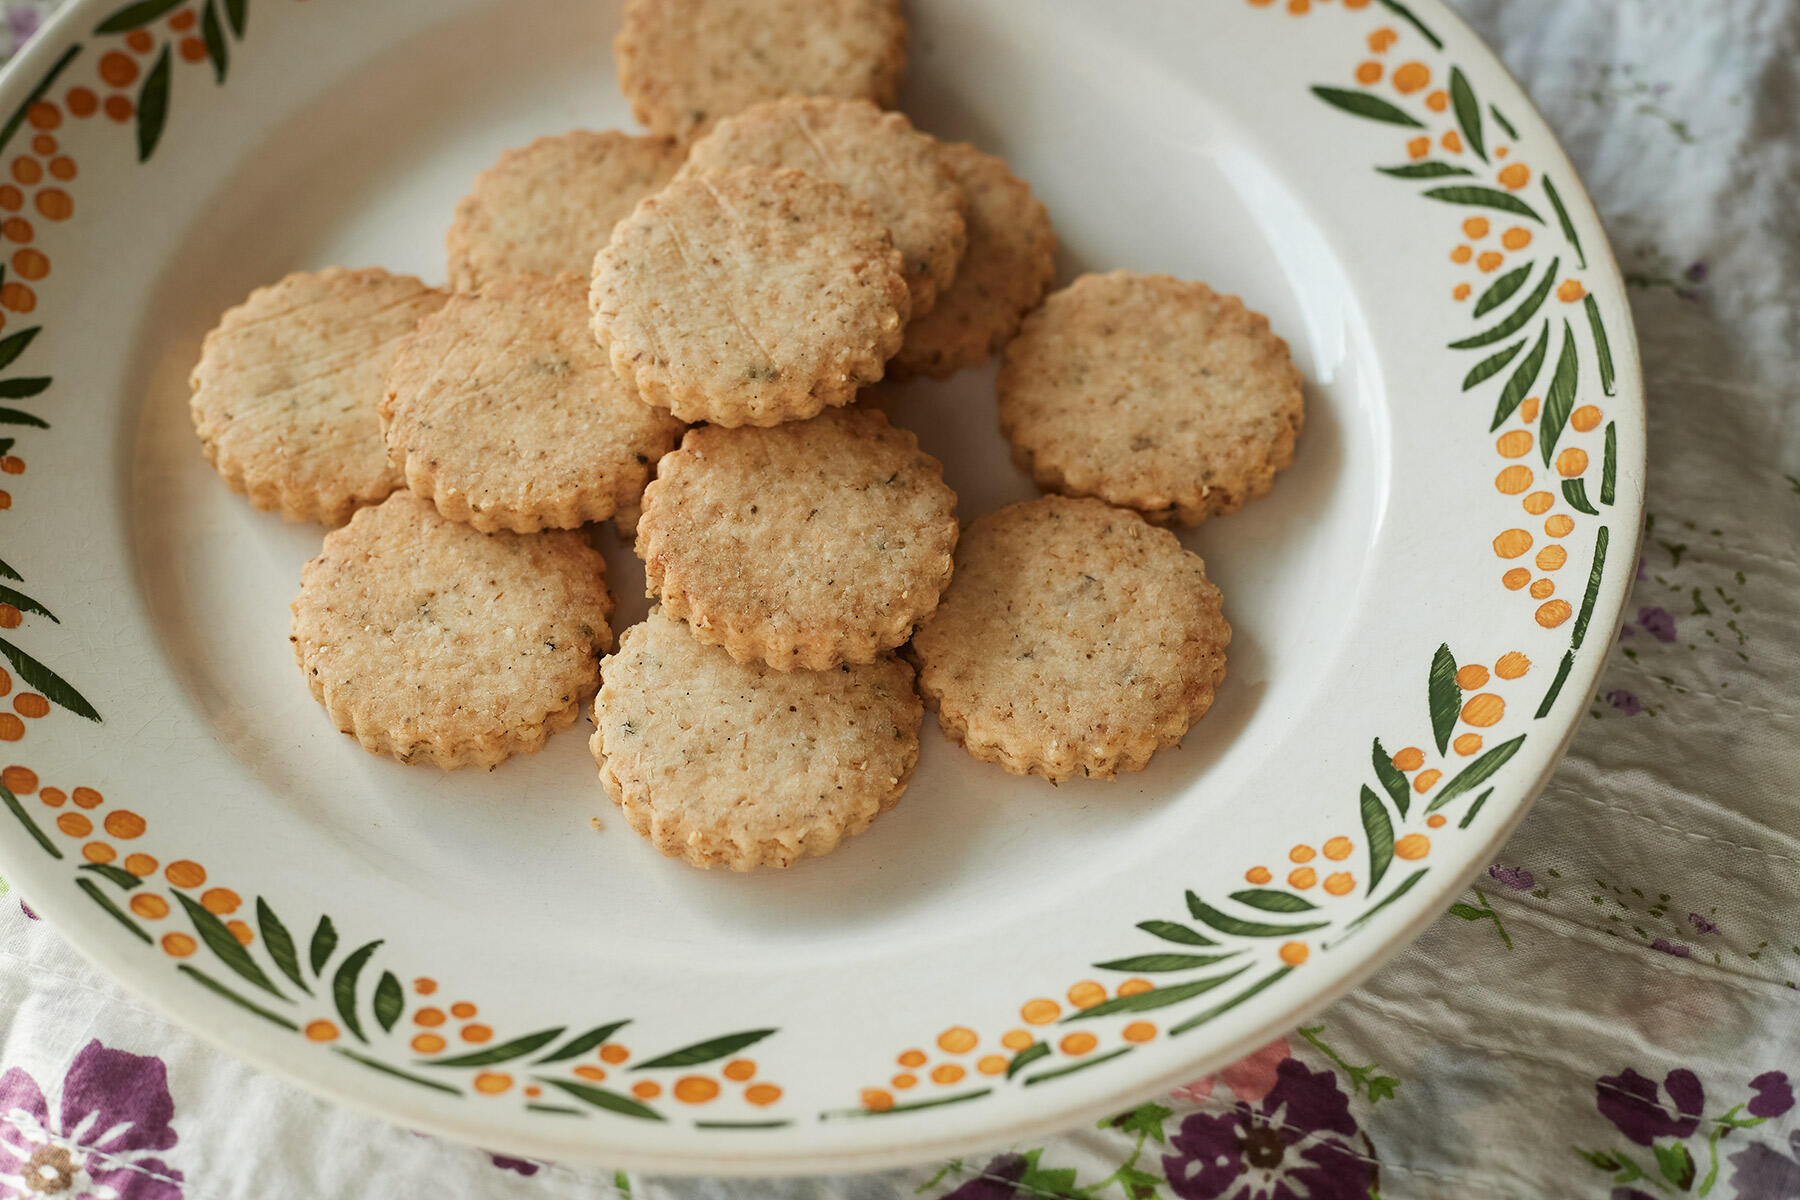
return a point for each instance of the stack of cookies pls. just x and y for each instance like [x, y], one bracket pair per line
[670, 332]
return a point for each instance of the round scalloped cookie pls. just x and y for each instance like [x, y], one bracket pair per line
[802, 546]
[503, 411]
[749, 297]
[732, 764]
[876, 156]
[428, 641]
[1008, 266]
[548, 207]
[1074, 639]
[1153, 393]
[684, 64]
[286, 392]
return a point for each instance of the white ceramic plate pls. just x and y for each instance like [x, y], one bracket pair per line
[1433, 584]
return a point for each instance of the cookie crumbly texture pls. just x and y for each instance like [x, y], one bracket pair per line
[876, 156]
[731, 764]
[502, 410]
[1152, 393]
[286, 392]
[428, 641]
[1074, 639]
[1008, 266]
[684, 64]
[802, 546]
[548, 207]
[749, 297]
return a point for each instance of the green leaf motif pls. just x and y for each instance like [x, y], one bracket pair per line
[1392, 781]
[1170, 931]
[1604, 1161]
[6, 572]
[1469, 912]
[48, 683]
[1562, 219]
[153, 107]
[1474, 810]
[701, 1052]
[237, 12]
[1500, 120]
[94, 893]
[1519, 317]
[1273, 900]
[1444, 695]
[24, 603]
[1225, 923]
[14, 416]
[519, 1047]
[1502, 289]
[1484, 197]
[1431, 169]
[1162, 962]
[114, 875]
[1026, 1057]
[1476, 772]
[1406, 885]
[1488, 367]
[14, 345]
[1231, 1002]
[343, 986]
[1556, 685]
[1602, 348]
[1575, 492]
[324, 941]
[280, 944]
[212, 985]
[1146, 1119]
[1365, 104]
[1559, 401]
[587, 1093]
[134, 15]
[389, 1001]
[225, 945]
[396, 1072]
[1522, 380]
[1160, 997]
[1601, 540]
[1609, 470]
[1676, 1162]
[1468, 112]
[24, 387]
[213, 34]
[1378, 831]
[581, 1043]
[18, 810]
[1406, 14]
[1084, 1064]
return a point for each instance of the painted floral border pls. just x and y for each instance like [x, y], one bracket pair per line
[1203, 957]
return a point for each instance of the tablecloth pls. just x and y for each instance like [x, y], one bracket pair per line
[1610, 1011]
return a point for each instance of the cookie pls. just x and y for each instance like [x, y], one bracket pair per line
[1152, 393]
[749, 297]
[1074, 638]
[430, 642]
[875, 156]
[287, 387]
[802, 546]
[503, 410]
[683, 64]
[1008, 266]
[732, 764]
[549, 207]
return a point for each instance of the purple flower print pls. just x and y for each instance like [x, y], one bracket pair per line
[1630, 1102]
[113, 1116]
[1295, 1145]
[22, 23]
[1760, 1172]
[1516, 878]
[1625, 702]
[1701, 924]
[1668, 947]
[997, 1181]
[1697, 271]
[523, 1166]
[26, 909]
[1774, 1095]
[1657, 623]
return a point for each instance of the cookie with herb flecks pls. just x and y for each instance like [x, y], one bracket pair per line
[1075, 638]
[1008, 266]
[286, 392]
[502, 410]
[684, 64]
[749, 297]
[732, 764]
[876, 156]
[1153, 393]
[429, 641]
[548, 207]
[802, 546]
